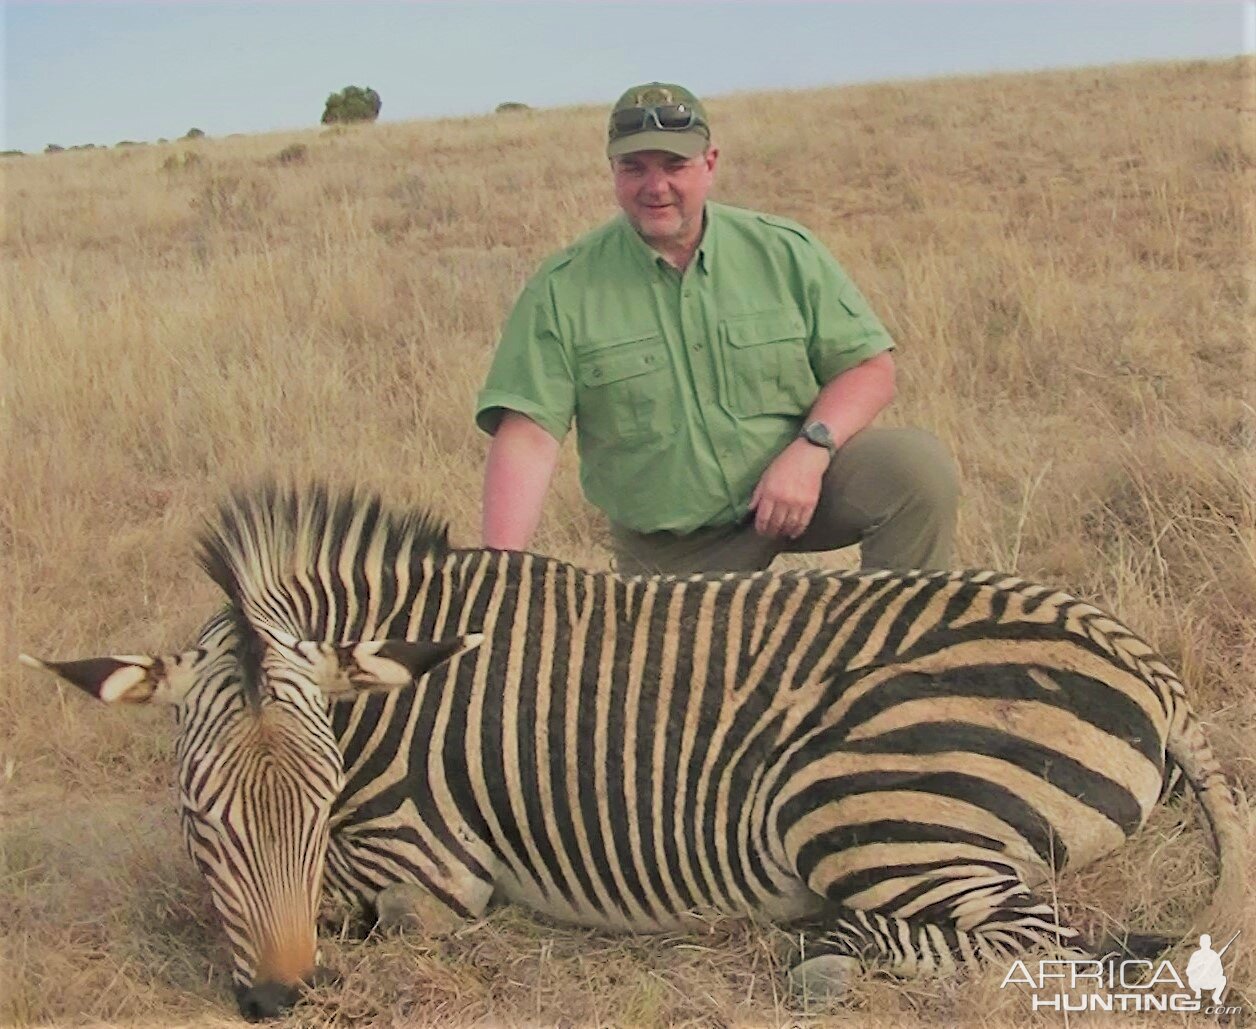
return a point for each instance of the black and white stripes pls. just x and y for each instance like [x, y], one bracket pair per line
[637, 752]
[894, 760]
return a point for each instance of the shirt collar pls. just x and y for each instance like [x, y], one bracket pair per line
[653, 260]
[706, 245]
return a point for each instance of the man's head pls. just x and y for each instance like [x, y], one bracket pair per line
[659, 145]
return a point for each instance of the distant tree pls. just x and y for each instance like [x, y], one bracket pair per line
[194, 134]
[52, 148]
[509, 106]
[12, 153]
[353, 103]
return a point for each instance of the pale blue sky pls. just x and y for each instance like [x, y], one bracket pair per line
[103, 72]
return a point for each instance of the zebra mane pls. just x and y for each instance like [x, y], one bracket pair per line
[296, 558]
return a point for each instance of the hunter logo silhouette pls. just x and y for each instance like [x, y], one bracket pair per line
[1204, 971]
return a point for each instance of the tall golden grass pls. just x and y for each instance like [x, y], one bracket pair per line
[1065, 260]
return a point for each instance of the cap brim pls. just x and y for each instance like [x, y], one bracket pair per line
[683, 144]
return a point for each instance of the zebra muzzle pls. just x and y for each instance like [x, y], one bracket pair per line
[274, 999]
[267, 1000]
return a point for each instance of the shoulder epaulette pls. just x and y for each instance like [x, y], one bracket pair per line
[789, 226]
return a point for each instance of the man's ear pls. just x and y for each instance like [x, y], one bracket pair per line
[345, 669]
[127, 678]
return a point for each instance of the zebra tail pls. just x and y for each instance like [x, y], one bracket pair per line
[1188, 746]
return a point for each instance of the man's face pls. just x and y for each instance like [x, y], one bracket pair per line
[663, 194]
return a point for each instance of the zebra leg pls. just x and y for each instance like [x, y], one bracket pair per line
[422, 896]
[409, 907]
[914, 947]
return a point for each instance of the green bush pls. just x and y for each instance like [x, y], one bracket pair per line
[353, 103]
[510, 106]
[194, 134]
[52, 148]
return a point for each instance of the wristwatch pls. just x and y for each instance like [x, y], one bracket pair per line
[819, 434]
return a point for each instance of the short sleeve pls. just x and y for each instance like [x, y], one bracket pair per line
[845, 331]
[531, 370]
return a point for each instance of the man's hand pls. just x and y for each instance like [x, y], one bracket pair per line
[785, 499]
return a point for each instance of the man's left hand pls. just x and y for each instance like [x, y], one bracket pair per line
[785, 498]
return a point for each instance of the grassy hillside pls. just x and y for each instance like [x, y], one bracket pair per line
[1065, 260]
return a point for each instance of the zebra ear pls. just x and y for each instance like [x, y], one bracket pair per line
[349, 668]
[125, 679]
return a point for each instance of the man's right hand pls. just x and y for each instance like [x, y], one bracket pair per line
[784, 500]
[521, 462]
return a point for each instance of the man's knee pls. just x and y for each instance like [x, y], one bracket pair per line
[926, 470]
[909, 465]
[903, 486]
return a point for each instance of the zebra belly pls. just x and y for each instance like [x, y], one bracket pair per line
[792, 902]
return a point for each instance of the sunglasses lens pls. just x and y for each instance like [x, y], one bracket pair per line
[632, 119]
[671, 117]
[674, 116]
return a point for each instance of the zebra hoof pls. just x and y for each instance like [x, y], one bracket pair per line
[827, 976]
[405, 907]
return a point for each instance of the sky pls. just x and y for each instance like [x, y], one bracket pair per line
[101, 72]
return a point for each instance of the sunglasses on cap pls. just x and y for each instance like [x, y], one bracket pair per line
[668, 117]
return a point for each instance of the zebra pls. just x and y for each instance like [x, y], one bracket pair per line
[893, 762]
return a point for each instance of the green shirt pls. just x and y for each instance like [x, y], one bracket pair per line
[683, 388]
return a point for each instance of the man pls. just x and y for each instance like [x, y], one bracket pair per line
[722, 372]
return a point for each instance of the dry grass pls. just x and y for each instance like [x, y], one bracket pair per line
[1065, 259]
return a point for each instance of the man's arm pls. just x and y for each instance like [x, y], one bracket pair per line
[785, 498]
[852, 400]
[521, 462]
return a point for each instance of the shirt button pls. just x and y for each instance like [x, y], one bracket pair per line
[697, 346]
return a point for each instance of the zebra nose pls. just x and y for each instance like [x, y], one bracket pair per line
[267, 1000]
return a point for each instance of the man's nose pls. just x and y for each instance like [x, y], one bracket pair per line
[656, 182]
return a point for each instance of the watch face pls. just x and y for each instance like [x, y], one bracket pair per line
[818, 432]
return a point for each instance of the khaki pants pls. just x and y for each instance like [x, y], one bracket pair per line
[892, 491]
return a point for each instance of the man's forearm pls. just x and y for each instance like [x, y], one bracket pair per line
[521, 462]
[852, 400]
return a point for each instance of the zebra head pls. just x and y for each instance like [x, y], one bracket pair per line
[258, 772]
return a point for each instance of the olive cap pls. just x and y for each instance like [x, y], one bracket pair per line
[648, 133]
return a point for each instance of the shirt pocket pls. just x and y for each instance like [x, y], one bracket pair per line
[765, 364]
[626, 392]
